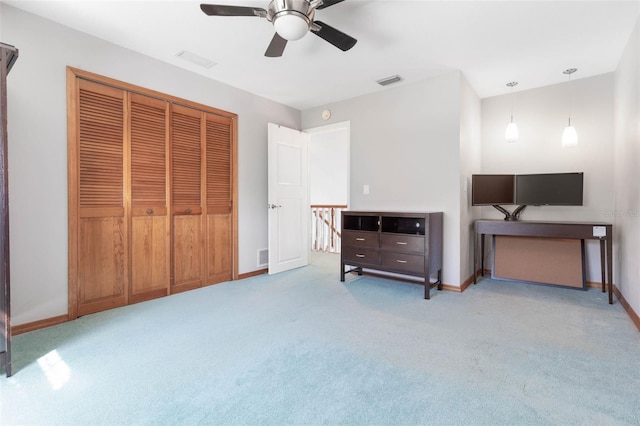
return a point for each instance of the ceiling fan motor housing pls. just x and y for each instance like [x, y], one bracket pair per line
[291, 19]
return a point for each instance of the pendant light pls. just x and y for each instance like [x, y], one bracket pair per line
[569, 135]
[511, 134]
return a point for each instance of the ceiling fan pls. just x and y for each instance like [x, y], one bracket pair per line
[292, 19]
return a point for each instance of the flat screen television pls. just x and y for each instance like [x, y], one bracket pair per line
[489, 190]
[549, 189]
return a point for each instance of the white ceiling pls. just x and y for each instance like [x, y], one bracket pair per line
[491, 42]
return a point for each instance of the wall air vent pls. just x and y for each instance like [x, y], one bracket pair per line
[263, 257]
[195, 59]
[389, 80]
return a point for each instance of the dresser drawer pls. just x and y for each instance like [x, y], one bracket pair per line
[404, 243]
[360, 255]
[360, 239]
[400, 262]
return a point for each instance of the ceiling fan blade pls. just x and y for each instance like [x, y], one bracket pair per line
[327, 3]
[339, 39]
[223, 10]
[276, 47]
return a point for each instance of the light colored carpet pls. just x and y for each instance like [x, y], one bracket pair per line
[301, 347]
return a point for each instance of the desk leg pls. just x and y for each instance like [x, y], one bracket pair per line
[602, 263]
[427, 283]
[482, 254]
[475, 256]
[610, 267]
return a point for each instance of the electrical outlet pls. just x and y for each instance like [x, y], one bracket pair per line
[365, 189]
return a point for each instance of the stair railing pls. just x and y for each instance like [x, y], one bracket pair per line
[325, 228]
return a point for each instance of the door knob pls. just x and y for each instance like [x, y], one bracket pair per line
[273, 206]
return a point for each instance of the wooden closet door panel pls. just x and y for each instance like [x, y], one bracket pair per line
[187, 255]
[219, 253]
[150, 225]
[219, 232]
[187, 132]
[103, 264]
[219, 160]
[149, 258]
[102, 236]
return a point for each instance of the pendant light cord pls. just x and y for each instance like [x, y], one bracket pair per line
[569, 72]
[511, 85]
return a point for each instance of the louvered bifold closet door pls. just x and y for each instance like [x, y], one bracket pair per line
[219, 198]
[187, 133]
[150, 223]
[102, 253]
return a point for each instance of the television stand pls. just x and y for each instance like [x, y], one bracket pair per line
[510, 216]
[398, 242]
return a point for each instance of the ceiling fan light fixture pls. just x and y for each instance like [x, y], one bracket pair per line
[291, 25]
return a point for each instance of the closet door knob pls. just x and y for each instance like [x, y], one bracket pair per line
[188, 211]
[149, 211]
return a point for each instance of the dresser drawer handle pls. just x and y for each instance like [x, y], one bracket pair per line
[359, 255]
[359, 239]
[402, 243]
[401, 261]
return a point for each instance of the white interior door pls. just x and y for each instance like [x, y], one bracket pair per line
[288, 200]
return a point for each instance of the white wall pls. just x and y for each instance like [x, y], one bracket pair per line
[470, 151]
[38, 149]
[627, 172]
[541, 115]
[405, 146]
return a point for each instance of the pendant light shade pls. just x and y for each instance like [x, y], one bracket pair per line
[511, 133]
[569, 135]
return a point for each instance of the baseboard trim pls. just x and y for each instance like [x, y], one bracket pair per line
[449, 287]
[594, 284]
[627, 307]
[36, 325]
[252, 273]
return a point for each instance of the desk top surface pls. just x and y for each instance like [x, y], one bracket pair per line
[543, 222]
[580, 230]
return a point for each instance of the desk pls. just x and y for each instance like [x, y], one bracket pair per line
[572, 230]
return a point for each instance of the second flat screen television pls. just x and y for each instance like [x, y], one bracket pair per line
[550, 189]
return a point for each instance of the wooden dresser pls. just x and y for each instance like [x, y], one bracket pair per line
[401, 243]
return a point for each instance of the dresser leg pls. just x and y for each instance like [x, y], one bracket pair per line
[439, 279]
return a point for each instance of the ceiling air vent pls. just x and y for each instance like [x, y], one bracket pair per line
[389, 80]
[195, 59]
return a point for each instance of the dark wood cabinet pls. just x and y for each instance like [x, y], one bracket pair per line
[401, 243]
